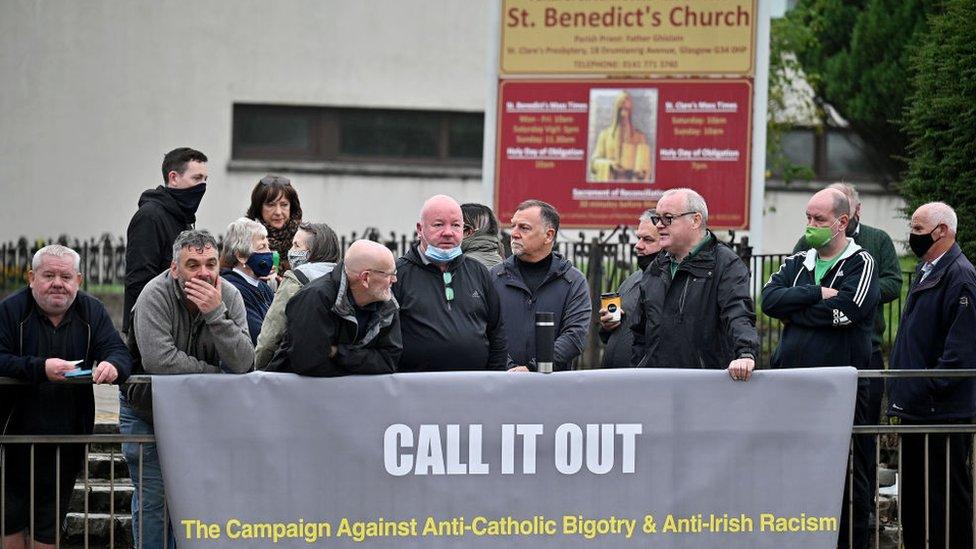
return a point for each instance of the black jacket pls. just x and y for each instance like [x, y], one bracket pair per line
[824, 332]
[702, 318]
[563, 292]
[937, 331]
[321, 315]
[465, 333]
[149, 243]
[53, 408]
[620, 342]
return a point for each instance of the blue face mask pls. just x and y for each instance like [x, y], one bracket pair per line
[437, 255]
[261, 263]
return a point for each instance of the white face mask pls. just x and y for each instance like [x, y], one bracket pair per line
[297, 258]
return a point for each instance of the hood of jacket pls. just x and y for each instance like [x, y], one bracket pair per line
[345, 308]
[162, 199]
[315, 270]
[481, 242]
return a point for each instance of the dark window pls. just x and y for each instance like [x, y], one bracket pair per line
[847, 155]
[467, 136]
[799, 147]
[269, 132]
[832, 154]
[389, 134]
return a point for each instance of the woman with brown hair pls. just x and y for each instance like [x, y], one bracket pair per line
[274, 204]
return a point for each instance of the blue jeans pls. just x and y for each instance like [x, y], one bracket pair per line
[147, 510]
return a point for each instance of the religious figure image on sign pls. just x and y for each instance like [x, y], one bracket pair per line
[622, 135]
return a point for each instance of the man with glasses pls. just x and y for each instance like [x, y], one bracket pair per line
[345, 322]
[695, 309]
[451, 318]
[535, 279]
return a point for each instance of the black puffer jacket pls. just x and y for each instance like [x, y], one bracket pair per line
[702, 318]
[149, 243]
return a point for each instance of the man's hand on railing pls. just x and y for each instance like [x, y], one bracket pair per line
[105, 372]
[740, 369]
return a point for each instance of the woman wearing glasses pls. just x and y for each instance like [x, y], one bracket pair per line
[274, 204]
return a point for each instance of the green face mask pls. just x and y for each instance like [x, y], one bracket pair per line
[818, 237]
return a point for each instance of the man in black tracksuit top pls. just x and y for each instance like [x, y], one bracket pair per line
[450, 315]
[826, 298]
[164, 212]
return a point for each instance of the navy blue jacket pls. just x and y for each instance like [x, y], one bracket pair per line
[824, 332]
[257, 300]
[563, 292]
[937, 331]
[53, 408]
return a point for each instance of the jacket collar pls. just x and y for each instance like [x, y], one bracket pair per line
[344, 307]
[557, 268]
[810, 259]
[31, 306]
[701, 262]
[950, 257]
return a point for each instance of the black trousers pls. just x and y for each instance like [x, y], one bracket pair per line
[867, 411]
[960, 496]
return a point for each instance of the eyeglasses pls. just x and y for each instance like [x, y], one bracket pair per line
[448, 290]
[393, 273]
[668, 219]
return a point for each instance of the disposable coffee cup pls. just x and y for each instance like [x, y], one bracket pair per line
[611, 302]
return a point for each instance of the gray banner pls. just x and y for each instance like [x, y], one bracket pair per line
[612, 458]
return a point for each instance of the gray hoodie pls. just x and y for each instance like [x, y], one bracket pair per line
[166, 339]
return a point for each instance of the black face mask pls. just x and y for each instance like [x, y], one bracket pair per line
[852, 226]
[921, 243]
[644, 260]
[188, 199]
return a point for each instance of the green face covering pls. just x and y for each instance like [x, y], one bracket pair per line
[818, 237]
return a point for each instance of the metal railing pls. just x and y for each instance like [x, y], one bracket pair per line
[606, 259]
[886, 454]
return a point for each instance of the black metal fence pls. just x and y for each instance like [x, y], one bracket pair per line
[98, 513]
[606, 259]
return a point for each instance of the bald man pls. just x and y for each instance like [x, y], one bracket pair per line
[826, 297]
[869, 392]
[450, 312]
[346, 322]
[936, 332]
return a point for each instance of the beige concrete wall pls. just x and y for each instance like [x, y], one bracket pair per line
[96, 92]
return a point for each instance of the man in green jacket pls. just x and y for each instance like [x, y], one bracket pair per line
[868, 410]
